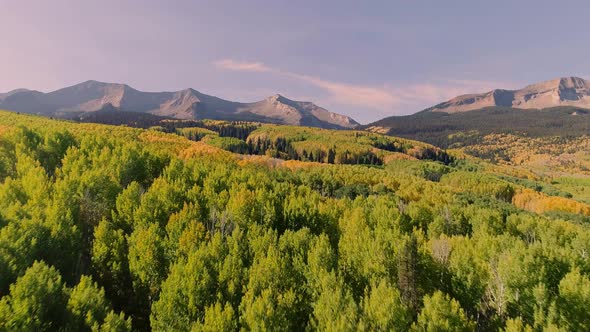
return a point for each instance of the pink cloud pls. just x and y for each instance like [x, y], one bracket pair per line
[352, 94]
[229, 64]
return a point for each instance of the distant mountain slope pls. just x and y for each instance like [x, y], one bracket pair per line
[10, 93]
[565, 91]
[444, 129]
[559, 107]
[93, 96]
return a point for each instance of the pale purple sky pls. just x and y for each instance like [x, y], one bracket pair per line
[366, 59]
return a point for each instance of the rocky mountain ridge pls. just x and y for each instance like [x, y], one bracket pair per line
[93, 96]
[564, 91]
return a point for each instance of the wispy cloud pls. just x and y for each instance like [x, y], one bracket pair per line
[352, 94]
[229, 64]
[387, 99]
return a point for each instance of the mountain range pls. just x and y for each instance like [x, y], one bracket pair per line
[189, 104]
[559, 107]
[565, 91]
[555, 107]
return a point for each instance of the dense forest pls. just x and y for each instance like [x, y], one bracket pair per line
[106, 228]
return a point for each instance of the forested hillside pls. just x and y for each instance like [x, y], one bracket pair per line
[550, 145]
[309, 144]
[465, 128]
[227, 227]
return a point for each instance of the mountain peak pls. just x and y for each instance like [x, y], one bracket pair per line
[558, 83]
[572, 78]
[573, 82]
[91, 83]
[88, 82]
[278, 98]
[563, 91]
[12, 92]
[188, 91]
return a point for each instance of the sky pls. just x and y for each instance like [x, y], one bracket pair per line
[366, 59]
